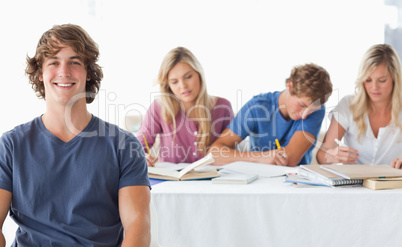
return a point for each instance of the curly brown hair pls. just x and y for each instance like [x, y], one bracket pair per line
[51, 43]
[312, 81]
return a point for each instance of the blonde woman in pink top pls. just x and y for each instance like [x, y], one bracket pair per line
[187, 119]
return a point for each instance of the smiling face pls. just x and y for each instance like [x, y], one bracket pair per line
[64, 76]
[184, 82]
[379, 85]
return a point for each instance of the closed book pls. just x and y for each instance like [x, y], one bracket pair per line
[383, 183]
[362, 171]
[235, 178]
[316, 173]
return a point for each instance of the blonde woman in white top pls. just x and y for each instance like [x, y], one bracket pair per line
[370, 121]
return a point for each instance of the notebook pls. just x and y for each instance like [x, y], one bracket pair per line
[360, 171]
[316, 173]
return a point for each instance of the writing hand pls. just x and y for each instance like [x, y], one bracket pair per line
[276, 157]
[151, 160]
[342, 154]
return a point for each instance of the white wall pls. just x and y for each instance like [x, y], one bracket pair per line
[246, 47]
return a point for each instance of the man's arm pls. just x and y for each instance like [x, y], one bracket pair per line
[298, 145]
[5, 202]
[224, 152]
[135, 215]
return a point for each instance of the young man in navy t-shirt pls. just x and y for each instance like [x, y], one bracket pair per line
[67, 177]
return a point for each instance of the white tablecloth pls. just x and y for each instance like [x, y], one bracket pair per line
[269, 212]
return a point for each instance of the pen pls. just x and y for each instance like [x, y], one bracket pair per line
[277, 144]
[146, 143]
[339, 142]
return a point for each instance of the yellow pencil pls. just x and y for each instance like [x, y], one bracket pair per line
[146, 143]
[277, 144]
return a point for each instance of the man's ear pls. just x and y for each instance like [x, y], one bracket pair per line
[289, 86]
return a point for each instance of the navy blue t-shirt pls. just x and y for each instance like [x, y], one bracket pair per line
[261, 120]
[66, 193]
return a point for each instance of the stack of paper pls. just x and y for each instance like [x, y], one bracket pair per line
[375, 177]
[316, 174]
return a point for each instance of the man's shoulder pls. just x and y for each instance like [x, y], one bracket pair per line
[22, 129]
[111, 128]
[266, 98]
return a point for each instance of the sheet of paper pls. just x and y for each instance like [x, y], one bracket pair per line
[263, 170]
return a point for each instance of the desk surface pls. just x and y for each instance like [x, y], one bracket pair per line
[269, 212]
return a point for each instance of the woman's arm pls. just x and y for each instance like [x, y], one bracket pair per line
[330, 152]
[224, 152]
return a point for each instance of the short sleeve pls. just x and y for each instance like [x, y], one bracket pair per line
[342, 112]
[5, 164]
[222, 115]
[312, 124]
[133, 164]
[240, 124]
[151, 125]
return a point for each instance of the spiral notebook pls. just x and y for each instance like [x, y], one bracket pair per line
[316, 173]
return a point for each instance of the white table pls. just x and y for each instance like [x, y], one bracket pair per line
[269, 212]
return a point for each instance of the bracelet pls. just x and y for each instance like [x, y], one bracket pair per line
[325, 157]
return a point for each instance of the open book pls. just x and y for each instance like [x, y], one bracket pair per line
[316, 174]
[360, 171]
[189, 172]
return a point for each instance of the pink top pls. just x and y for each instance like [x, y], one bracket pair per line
[183, 148]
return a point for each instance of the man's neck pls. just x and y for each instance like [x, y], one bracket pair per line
[66, 123]
[282, 105]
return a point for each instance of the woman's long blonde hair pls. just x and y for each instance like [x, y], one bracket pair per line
[376, 55]
[171, 105]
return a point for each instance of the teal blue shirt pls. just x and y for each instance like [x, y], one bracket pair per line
[261, 120]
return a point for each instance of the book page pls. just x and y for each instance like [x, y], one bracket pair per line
[172, 166]
[263, 170]
[163, 172]
[208, 159]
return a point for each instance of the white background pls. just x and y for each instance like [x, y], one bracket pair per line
[246, 47]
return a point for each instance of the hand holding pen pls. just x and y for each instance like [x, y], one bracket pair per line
[151, 160]
[276, 156]
[341, 154]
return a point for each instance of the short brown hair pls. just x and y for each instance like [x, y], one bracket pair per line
[312, 81]
[50, 44]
